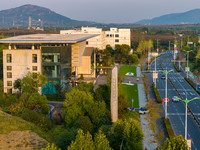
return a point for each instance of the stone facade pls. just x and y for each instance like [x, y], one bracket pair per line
[114, 94]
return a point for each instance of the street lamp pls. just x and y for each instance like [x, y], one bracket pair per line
[186, 102]
[187, 61]
[166, 72]
[155, 70]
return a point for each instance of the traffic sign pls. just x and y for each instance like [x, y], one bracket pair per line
[155, 75]
[187, 69]
[198, 87]
[189, 143]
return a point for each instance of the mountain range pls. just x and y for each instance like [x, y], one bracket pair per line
[189, 17]
[40, 16]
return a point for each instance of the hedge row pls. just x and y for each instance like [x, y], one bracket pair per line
[168, 127]
[192, 84]
[177, 69]
[55, 97]
[159, 100]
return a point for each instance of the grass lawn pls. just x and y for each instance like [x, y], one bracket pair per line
[10, 123]
[131, 91]
[124, 69]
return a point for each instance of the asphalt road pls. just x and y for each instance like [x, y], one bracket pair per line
[176, 110]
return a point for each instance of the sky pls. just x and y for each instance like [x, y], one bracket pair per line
[109, 11]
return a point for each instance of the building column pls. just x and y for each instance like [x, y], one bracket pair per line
[76, 71]
[94, 63]
[33, 47]
[9, 47]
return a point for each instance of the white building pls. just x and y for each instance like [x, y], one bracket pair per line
[113, 37]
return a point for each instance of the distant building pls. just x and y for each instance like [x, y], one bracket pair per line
[57, 56]
[112, 37]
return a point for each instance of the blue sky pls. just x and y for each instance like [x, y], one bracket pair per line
[109, 11]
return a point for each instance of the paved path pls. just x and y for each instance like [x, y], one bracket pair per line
[148, 140]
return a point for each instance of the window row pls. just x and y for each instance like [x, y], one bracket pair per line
[9, 68]
[9, 58]
[112, 35]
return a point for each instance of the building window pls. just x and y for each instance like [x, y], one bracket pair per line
[116, 35]
[111, 35]
[86, 42]
[9, 67]
[9, 91]
[34, 68]
[34, 58]
[9, 74]
[9, 83]
[116, 40]
[9, 58]
[107, 35]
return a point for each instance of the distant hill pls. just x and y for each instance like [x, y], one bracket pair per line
[189, 17]
[40, 16]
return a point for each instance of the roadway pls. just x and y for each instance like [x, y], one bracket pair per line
[176, 110]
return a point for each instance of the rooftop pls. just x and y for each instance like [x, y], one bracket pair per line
[48, 38]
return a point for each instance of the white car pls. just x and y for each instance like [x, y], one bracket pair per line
[175, 99]
[143, 110]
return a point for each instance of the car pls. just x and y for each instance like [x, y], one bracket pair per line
[162, 77]
[175, 99]
[143, 110]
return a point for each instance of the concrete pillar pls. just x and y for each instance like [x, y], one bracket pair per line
[9, 47]
[94, 63]
[15, 47]
[76, 71]
[55, 58]
[33, 47]
[114, 94]
[55, 71]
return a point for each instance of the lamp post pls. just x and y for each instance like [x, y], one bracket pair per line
[166, 72]
[186, 101]
[155, 70]
[187, 60]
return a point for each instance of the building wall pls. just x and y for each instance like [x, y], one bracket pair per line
[21, 63]
[85, 68]
[103, 39]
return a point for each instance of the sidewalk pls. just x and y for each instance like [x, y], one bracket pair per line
[148, 135]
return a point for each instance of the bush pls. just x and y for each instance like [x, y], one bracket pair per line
[84, 123]
[38, 119]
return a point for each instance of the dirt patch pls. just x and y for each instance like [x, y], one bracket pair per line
[21, 140]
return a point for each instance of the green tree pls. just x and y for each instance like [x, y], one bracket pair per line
[82, 142]
[123, 104]
[79, 103]
[85, 142]
[101, 142]
[36, 101]
[126, 134]
[84, 123]
[133, 58]
[103, 94]
[176, 143]
[51, 146]
[87, 87]
[32, 81]
[17, 84]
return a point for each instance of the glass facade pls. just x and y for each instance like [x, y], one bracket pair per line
[56, 65]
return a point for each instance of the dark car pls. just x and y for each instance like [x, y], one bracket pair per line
[162, 77]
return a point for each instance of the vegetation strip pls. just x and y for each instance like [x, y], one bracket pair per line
[192, 84]
[158, 97]
[168, 127]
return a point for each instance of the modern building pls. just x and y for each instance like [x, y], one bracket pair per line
[58, 56]
[112, 37]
